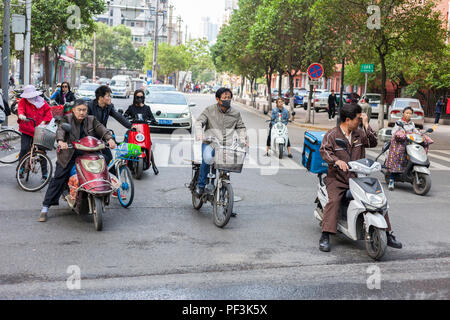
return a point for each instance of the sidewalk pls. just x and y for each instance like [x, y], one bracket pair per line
[319, 120]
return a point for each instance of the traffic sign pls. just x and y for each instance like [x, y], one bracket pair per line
[367, 68]
[315, 82]
[315, 71]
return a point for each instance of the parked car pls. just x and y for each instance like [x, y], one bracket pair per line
[321, 101]
[298, 96]
[396, 111]
[316, 94]
[274, 94]
[351, 96]
[374, 99]
[104, 81]
[86, 91]
[170, 109]
[121, 86]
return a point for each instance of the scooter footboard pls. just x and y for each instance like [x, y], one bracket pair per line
[375, 219]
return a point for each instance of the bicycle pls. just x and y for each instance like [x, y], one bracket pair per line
[125, 192]
[9, 145]
[36, 162]
[218, 191]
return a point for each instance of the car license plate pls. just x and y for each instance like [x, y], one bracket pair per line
[163, 121]
[374, 105]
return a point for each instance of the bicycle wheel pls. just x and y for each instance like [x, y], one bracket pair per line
[9, 146]
[223, 205]
[30, 175]
[125, 193]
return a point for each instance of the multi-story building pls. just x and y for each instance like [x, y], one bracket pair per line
[230, 5]
[209, 30]
[139, 16]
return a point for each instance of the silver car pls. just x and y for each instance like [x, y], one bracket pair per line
[374, 100]
[396, 111]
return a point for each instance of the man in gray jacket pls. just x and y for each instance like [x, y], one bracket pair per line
[222, 122]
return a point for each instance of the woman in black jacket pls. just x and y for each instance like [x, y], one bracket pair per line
[65, 95]
[139, 107]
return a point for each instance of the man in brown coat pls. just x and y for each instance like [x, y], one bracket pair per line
[82, 125]
[338, 176]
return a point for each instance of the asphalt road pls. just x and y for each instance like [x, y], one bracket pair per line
[161, 248]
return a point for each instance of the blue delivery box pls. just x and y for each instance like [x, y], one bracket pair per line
[311, 158]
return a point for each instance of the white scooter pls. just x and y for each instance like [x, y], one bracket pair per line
[362, 210]
[417, 170]
[279, 137]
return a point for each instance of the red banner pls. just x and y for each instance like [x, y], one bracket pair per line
[448, 105]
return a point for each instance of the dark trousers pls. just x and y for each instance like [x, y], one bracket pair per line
[268, 143]
[336, 192]
[57, 183]
[438, 116]
[26, 142]
[331, 111]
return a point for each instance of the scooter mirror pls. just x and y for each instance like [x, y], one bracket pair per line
[66, 127]
[341, 143]
[293, 113]
[400, 124]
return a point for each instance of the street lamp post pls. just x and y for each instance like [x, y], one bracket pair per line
[5, 51]
[27, 53]
[155, 45]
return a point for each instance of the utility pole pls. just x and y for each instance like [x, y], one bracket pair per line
[94, 63]
[5, 51]
[179, 30]
[155, 45]
[341, 92]
[27, 51]
[185, 36]
[169, 38]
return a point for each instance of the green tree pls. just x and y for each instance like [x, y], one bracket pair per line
[403, 23]
[53, 23]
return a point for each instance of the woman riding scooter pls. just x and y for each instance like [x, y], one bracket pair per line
[285, 117]
[82, 125]
[396, 161]
[140, 108]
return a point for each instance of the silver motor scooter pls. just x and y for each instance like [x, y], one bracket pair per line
[363, 208]
[417, 170]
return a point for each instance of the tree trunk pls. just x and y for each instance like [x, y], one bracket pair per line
[280, 78]
[252, 96]
[46, 66]
[242, 87]
[383, 90]
[291, 93]
[269, 90]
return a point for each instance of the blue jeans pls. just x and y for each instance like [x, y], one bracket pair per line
[207, 160]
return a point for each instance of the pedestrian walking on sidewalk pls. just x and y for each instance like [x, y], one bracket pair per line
[438, 110]
[332, 102]
[366, 108]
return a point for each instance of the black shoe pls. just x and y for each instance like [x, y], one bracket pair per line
[324, 243]
[155, 170]
[290, 155]
[233, 214]
[199, 191]
[391, 242]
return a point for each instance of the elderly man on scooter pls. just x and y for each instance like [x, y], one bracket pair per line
[221, 121]
[82, 125]
[337, 180]
[285, 118]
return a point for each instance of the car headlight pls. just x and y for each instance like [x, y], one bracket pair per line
[185, 115]
[93, 166]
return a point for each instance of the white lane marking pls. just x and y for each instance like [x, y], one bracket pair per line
[443, 151]
[447, 159]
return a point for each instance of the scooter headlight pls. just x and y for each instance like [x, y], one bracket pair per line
[140, 137]
[93, 166]
[377, 202]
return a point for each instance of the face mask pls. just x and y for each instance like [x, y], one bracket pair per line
[140, 99]
[226, 103]
[38, 101]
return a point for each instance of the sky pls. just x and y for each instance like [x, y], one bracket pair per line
[191, 12]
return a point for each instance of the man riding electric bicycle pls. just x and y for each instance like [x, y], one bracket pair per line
[222, 122]
[337, 180]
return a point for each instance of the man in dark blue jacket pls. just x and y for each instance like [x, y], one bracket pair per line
[101, 108]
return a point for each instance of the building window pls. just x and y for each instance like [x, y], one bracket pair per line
[132, 23]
